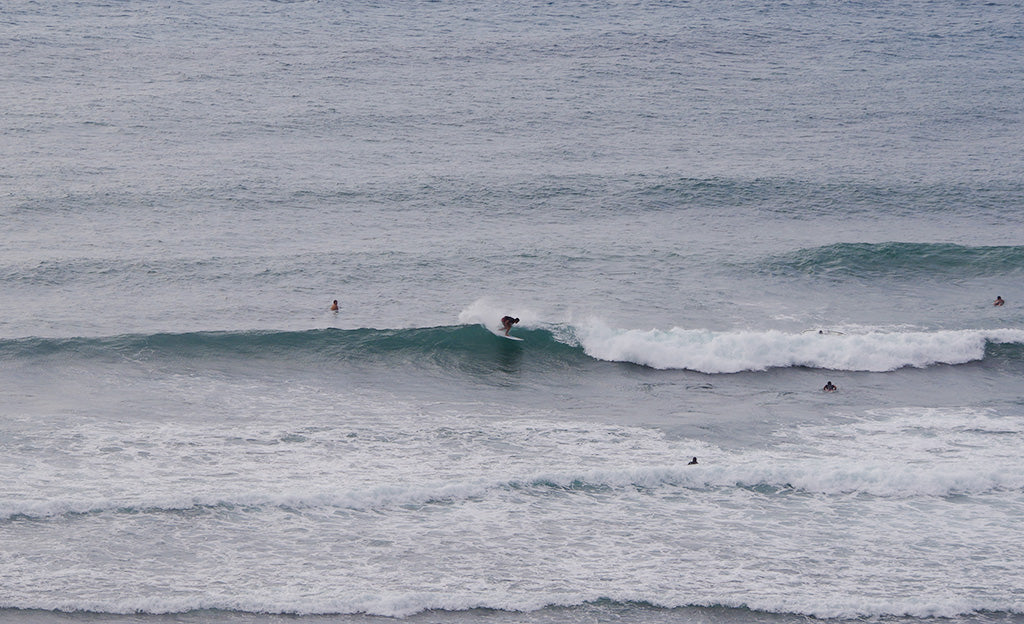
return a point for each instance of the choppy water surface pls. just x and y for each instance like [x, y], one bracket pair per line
[701, 212]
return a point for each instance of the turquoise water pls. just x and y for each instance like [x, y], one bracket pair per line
[701, 212]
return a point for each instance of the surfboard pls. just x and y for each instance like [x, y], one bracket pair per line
[500, 333]
[824, 332]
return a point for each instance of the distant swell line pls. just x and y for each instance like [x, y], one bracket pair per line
[905, 260]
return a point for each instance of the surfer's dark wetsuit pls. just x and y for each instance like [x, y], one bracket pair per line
[507, 322]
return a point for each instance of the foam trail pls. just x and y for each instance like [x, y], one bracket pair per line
[735, 351]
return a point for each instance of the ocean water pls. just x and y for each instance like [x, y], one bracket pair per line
[700, 211]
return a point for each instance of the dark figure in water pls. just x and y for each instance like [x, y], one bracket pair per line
[999, 301]
[507, 322]
[830, 387]
[693, 462]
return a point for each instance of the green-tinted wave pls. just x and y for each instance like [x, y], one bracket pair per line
[465, 346]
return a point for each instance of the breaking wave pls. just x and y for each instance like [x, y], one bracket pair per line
[471, 348]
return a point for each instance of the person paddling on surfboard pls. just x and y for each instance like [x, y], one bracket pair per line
[999, 301]
[507, 322]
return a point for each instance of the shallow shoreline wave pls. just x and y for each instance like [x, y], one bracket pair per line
[629, 607]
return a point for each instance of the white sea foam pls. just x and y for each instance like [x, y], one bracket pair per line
[759, 510]
[813, 475]
[755, 350]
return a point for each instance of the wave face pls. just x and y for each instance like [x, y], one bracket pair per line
[468, 348]
[473, 349]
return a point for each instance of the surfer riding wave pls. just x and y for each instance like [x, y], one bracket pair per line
[507, 322]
